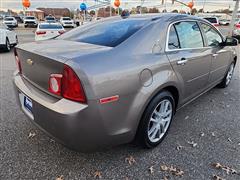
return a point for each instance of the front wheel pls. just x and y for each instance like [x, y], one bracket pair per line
[228, 77]
[156, 120]
[7, 45]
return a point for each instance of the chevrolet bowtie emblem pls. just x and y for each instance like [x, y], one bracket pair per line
[30, 62]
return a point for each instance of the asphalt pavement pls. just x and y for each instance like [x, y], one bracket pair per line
[205, 132]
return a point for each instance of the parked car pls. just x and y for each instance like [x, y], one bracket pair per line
[48, 31]
[10, 21]
[116, 80]
[8, 38]
[224, 22]
[67, 22]
[50, 19]
[19, 19]
[30, 21]
[213, 20]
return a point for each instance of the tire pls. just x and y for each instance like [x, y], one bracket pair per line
[151, 122]
[7, 47]
[16, 42]
[228, 77]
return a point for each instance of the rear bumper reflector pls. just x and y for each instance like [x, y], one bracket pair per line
[109, 99]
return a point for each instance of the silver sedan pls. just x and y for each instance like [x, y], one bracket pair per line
[120, 79]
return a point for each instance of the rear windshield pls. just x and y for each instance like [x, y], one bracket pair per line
[66, 18]
[211, 20]
[8, 19]
[107, 33]
[29, 17]
[50, 18]
[50, 26]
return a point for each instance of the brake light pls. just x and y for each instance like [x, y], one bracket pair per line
[237, 25]
[40, 32]
[71, 86]
[61, 32]
[55, 84]
[18, 63]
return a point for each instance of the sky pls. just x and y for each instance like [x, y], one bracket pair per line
[74, 4]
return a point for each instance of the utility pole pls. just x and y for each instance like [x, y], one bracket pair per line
[234, 14]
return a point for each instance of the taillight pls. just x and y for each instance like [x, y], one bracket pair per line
[237, 25]
[71, 86]
[55, 84]
[216, 24]
[61, 32]
[40, 32]
[67, 85]
[18, 63]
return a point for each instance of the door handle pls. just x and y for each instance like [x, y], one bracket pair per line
[215, 55]
[182, 62]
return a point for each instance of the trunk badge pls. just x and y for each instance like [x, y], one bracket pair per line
[30, 62]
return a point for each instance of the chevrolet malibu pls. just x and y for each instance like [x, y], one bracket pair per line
[120, 79]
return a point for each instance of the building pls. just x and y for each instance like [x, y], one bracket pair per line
[56, 12]
[35, 12]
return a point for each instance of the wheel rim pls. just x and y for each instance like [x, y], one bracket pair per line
[160, 121]
[230, 74]
[8, 45]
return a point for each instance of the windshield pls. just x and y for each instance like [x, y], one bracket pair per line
[8, 19]
[50, 26]
[212, 20]
[29, 17]
[106, 33]
[66, 19]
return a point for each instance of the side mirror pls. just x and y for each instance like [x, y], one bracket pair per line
[231, 41]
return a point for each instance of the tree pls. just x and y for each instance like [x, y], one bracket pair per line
[153, 10]
[200, 10]
[175, 11]
[194, 11]
[92, 12]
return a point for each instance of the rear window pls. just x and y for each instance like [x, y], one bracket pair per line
[50, 26]
[107, 33]
[50, 18]
[212, 20]
[29, 17]
[66, 19]
[8, 19]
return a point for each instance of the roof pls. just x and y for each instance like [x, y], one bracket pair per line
[33, 10]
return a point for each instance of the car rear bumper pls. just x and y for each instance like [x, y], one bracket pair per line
[75, 125]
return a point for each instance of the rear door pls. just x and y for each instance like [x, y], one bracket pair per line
[189, 57]
[220, 54]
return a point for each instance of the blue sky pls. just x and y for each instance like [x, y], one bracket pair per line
[73, 4]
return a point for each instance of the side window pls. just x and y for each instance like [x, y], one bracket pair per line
[189, 34]
[213, 37]
[173, 42]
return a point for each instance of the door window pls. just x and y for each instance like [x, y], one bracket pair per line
[213, 37]
[173, 42]
[189, 34]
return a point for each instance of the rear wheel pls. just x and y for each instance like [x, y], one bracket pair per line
[227, 79]
[156, 120]
[7, 45]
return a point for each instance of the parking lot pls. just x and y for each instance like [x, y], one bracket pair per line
[203, 133]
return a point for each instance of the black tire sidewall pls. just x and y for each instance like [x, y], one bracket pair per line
[7, 44]
[143, 129]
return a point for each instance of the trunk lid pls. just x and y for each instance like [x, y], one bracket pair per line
[41, 59]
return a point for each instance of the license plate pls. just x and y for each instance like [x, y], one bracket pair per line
[28, 103]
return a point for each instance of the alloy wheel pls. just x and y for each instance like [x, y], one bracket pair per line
[230, 74]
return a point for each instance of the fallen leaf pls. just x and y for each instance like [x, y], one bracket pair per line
[98, 174]
[217, 165]
[216, 177]
[60, 178]
[164, 168]
[31, 134]
[192, 143]
[179, 147]
[229, 140]
[151, 170]
[202, 134]
[225, 168]
[130, 160]
[187, 117]
[179, 173]
[213, 134]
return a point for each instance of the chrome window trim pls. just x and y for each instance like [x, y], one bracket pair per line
[189, 20]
